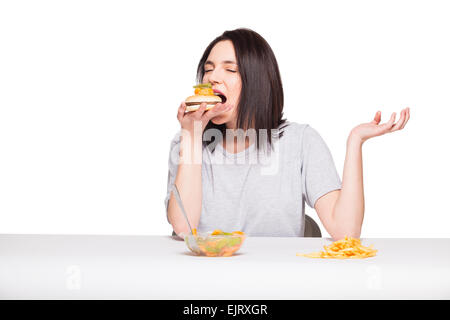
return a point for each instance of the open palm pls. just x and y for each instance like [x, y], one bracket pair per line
[373, 129]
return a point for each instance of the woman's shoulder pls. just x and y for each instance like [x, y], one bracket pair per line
[300, 134]
[294, 125]
[294, 129]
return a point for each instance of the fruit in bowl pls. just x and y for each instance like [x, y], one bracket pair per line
[216, 243]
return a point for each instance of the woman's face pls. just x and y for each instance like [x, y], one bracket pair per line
[222, 72]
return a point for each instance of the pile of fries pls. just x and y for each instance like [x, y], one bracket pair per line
[348, 248]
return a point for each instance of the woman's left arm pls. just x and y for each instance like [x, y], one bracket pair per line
[342, 211]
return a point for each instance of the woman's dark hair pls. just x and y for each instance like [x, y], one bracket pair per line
[261, 99]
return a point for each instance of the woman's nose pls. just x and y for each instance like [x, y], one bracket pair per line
[214, 77]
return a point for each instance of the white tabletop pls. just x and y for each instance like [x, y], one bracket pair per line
[160, 267]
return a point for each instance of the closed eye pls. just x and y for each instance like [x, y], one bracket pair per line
[206, 71]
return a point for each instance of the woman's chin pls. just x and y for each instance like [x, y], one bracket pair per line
[219, 120]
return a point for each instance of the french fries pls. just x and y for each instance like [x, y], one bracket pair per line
[347, 248]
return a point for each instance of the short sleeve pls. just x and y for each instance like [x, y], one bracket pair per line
[319, 175]
[174, 156]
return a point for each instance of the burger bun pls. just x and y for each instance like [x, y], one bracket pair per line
[193, 102]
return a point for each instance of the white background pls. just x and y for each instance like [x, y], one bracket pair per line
[89, 92]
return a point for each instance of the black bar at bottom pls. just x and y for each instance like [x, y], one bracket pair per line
[221, 309]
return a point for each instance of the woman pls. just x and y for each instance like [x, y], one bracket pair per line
[213, 156]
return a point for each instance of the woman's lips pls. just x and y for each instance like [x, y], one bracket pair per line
[220, 94]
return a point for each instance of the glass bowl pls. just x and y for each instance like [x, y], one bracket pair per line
[215, 244]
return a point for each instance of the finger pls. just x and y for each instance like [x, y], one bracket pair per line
[218, 109]
[407, 118]
[199, 112]
[377, 118]
[391, 121]
[385, 127]
[400, 121]
[181, 111]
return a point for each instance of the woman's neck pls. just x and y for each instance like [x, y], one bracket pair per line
[235, 145]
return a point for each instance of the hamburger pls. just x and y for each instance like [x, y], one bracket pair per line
[203, 93]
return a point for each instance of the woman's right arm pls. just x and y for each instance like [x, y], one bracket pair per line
[189, 183]
[189, 174]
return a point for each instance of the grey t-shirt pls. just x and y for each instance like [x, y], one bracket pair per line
[263, 194]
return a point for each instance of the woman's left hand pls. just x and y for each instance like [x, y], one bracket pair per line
[374, 128]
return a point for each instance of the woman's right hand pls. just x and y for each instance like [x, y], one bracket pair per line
[191, 121]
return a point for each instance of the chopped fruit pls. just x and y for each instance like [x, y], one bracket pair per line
[204, 91]
[203, 85]
[217, 243]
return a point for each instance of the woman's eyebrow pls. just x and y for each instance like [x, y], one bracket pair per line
[229, 62]
[223, 62]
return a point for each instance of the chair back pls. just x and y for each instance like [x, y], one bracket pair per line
[311, 228]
